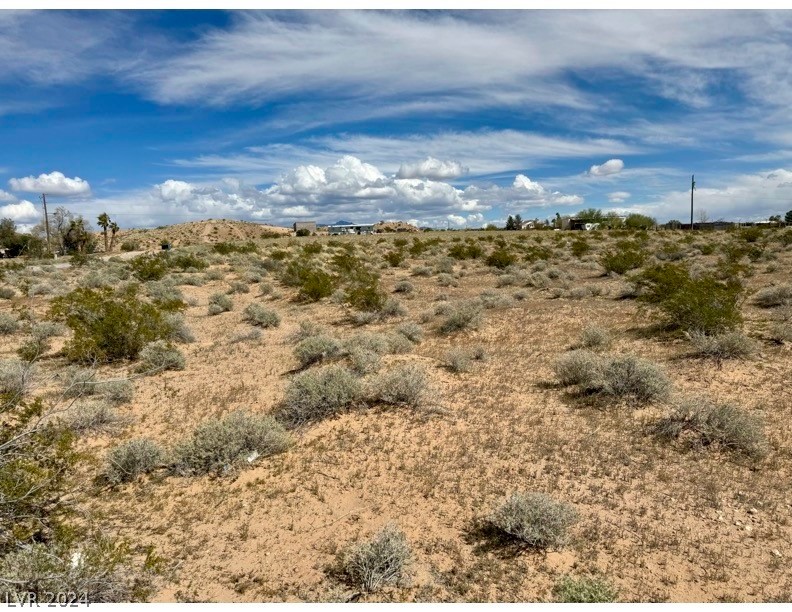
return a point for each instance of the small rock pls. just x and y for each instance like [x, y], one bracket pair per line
[776, 552]
[752, 511]
[748, 529]
[738, 523]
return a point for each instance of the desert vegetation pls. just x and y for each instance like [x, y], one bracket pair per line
[447, 416]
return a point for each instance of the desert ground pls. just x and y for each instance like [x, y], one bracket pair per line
[478, 322]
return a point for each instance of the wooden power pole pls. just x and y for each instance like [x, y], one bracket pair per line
[46, 221]
[692, 188]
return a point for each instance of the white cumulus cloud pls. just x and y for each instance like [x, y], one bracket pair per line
[618, 196]
[54, 183]
[433, 169]
[20, 212]
[6, 197]
[612, 166]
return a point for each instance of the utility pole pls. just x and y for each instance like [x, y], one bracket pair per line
[692, 189]
[46, 221]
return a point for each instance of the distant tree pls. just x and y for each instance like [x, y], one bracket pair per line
[558, 221]
[510, 223]
[638, 221]
[7, 231]
[104, 222]
[613, 220]
[518, 222]
[674, 224]
[788, 217]
[702, 216]
[491, 226]
[591, 215]
[114, 230]
[78, 237]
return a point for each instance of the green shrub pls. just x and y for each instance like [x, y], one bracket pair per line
[623, 259]
[108, 326]
[130, 245]
[238, 287]
[704, 303]
[394, 258]
[159, 356]
[177, 328]
[471, 250]
[127, 461]
[302, 232]
[149, 267]
[580, 248]
[534, 519]
[6, 293]
[256, 314]
[220, 444]
[708, 423]
[315, 349]
[316, 395]
[218, 303]
[501, 258]
[365, 293]
[584, 590]
[186, 261]
[226, 248]
[316, 284]
[371, 565]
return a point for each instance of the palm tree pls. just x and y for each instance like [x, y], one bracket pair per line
[114, 229]
[104, 223]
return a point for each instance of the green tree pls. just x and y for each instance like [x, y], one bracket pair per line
[510, 223]
[104, 222]
[518, 222]
[638, 221]
[114, 230]
[788, 217]
[591, 215]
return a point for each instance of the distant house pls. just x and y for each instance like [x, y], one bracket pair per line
[308, 225]
[339, 230]
[582, 224]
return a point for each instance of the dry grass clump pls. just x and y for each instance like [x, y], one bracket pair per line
[726, 345]
[179, 331]
[595, 337]
[160, 355]
[219, 302]
[15, 377]
[364, 361]
[622, 376]
[127, 461]
[405, 385]
[259, 315]
[412, 331]
[306, 330]
[781, 332]
[315, 349]
[769, 297]
[9, 324]
[584, 590]
[704, 422]
[220, 444]
[93, 416]
[319, 394]
[460, 315]
[458, 360]
[534, 519]
[404, 286]
[371, 565]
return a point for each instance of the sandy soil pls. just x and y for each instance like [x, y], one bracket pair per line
[660, 521]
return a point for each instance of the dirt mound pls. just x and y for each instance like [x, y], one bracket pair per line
[385, 227]
[210, 231]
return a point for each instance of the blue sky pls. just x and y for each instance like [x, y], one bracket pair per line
[439, 117]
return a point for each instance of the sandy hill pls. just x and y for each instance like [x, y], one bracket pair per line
[394, 226]
[198, 232]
